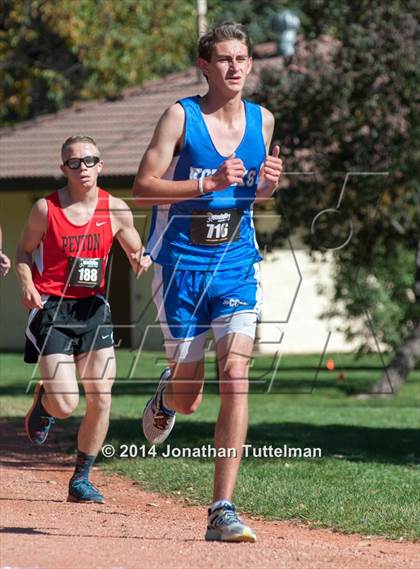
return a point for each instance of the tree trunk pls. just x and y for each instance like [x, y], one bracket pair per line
[406, 356]
[403, 363]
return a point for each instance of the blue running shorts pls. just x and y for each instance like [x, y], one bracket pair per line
[189, 303]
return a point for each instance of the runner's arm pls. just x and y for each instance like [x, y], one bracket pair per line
[272, 167]
[151, 189]
[32, 235]
[128, 236]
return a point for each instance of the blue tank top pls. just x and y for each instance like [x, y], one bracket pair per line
[215, 230]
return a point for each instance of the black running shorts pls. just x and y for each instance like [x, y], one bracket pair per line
[68, 326]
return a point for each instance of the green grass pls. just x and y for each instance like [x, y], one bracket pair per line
[366, 481]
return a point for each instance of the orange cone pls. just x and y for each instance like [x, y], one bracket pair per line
[330, 365]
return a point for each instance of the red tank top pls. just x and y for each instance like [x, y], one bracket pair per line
[71, 259]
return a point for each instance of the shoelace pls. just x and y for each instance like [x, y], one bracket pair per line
[86, 482]
[160, 421]
[89, 483]
[46, 421]
[225, 517]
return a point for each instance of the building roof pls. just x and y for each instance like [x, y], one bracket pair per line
[30, 151]
[122, 129]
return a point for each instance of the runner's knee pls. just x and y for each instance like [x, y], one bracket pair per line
[99, 402]
[63, 405]
[234, 380]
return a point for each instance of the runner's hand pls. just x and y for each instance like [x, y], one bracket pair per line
[31, 298]
[4, 264]
[140, 262]
[271, 169]
[229, 173]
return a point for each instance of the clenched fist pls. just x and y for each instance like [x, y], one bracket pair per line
[230, 172]
[4, 264]
[31, 298]
[271, 169]
[140, 262]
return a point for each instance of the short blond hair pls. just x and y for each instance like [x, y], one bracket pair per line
[78, 138]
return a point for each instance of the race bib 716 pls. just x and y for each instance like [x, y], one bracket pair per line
[215, 227]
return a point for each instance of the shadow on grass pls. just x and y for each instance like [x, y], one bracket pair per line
[349, 442]
[358, 444]
[261, 385]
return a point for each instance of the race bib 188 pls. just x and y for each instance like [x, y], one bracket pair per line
[85, 272]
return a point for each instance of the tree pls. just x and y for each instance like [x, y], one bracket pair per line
[351, 105]
[256, 15]
[55, 52]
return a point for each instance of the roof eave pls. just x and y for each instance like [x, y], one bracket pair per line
[51, 183]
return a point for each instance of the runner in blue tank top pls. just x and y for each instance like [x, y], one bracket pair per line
[206, 165]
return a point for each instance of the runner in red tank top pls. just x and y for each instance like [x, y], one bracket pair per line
[69, 233]
[53, 270]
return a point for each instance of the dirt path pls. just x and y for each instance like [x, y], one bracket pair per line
[136, 529]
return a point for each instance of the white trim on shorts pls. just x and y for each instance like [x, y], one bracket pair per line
[242, 322]
[32, 314]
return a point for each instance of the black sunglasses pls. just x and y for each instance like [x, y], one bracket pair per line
[88, 161]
